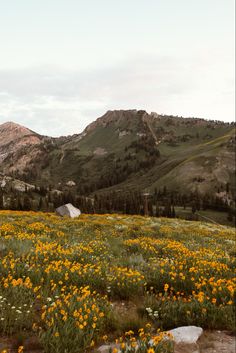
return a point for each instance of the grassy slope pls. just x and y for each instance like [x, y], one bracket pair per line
[188, 148]
[210, 216]
[174, 169]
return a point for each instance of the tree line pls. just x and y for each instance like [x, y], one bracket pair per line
[161, 203]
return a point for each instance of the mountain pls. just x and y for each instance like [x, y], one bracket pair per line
[126, 150]
[14, 137]
[16, 142]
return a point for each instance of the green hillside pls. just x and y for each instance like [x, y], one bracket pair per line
[123, 152]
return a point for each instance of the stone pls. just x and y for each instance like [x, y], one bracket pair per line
[186, 334]
[104, 348]
[68, 210]
[107, 348]
[70, 183]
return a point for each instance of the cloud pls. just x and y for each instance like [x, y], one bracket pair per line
[56, 102]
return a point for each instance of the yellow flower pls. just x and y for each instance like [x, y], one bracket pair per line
[156, 340]
[166, 286]
[20, 349]
[150, 350]
[129, 333]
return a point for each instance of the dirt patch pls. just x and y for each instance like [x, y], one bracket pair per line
[31, 344]
[99, 151]
[217, 342]
[210, 342]
[186, 348]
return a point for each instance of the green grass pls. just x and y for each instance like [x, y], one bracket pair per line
[207, 215]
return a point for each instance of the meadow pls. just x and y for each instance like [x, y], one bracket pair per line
[68, 286]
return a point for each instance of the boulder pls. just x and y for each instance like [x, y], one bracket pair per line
[68, 210]
[186, 334]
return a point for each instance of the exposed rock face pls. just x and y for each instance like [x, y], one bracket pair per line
[70, 183]
[68, 210]
[99, 151]
[10, 132]
[15, 184]
[123, 133]
[116, 117]
[14, 137]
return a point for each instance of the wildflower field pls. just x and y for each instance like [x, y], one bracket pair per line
[68, 286]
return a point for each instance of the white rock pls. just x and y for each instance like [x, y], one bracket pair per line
[186, 334]
[106, 348]
[68, 210]
[70, 183]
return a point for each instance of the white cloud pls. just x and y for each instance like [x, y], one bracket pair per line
[56, 102]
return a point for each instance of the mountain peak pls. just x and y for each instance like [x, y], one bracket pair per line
[11, 125]
[11, 131]
[117, 117]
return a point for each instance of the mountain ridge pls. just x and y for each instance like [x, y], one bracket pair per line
[125, 150]
[106, 117]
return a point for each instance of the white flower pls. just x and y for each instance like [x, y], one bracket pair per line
[149, 310]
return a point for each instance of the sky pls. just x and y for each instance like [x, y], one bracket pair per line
[64, 63]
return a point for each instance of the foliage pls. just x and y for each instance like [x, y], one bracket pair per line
[67, 281]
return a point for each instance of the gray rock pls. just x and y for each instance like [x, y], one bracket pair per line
[186, 334]
[68, 210]
[106, 348]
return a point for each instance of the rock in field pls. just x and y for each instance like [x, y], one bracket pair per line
[68, 210]
[186, 334]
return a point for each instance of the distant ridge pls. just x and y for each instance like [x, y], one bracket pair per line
[126, 150]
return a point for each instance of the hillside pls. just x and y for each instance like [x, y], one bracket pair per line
[126, 151]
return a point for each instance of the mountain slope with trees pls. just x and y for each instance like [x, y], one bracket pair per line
[124, 152]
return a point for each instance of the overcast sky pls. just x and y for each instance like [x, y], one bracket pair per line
[63, 63]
